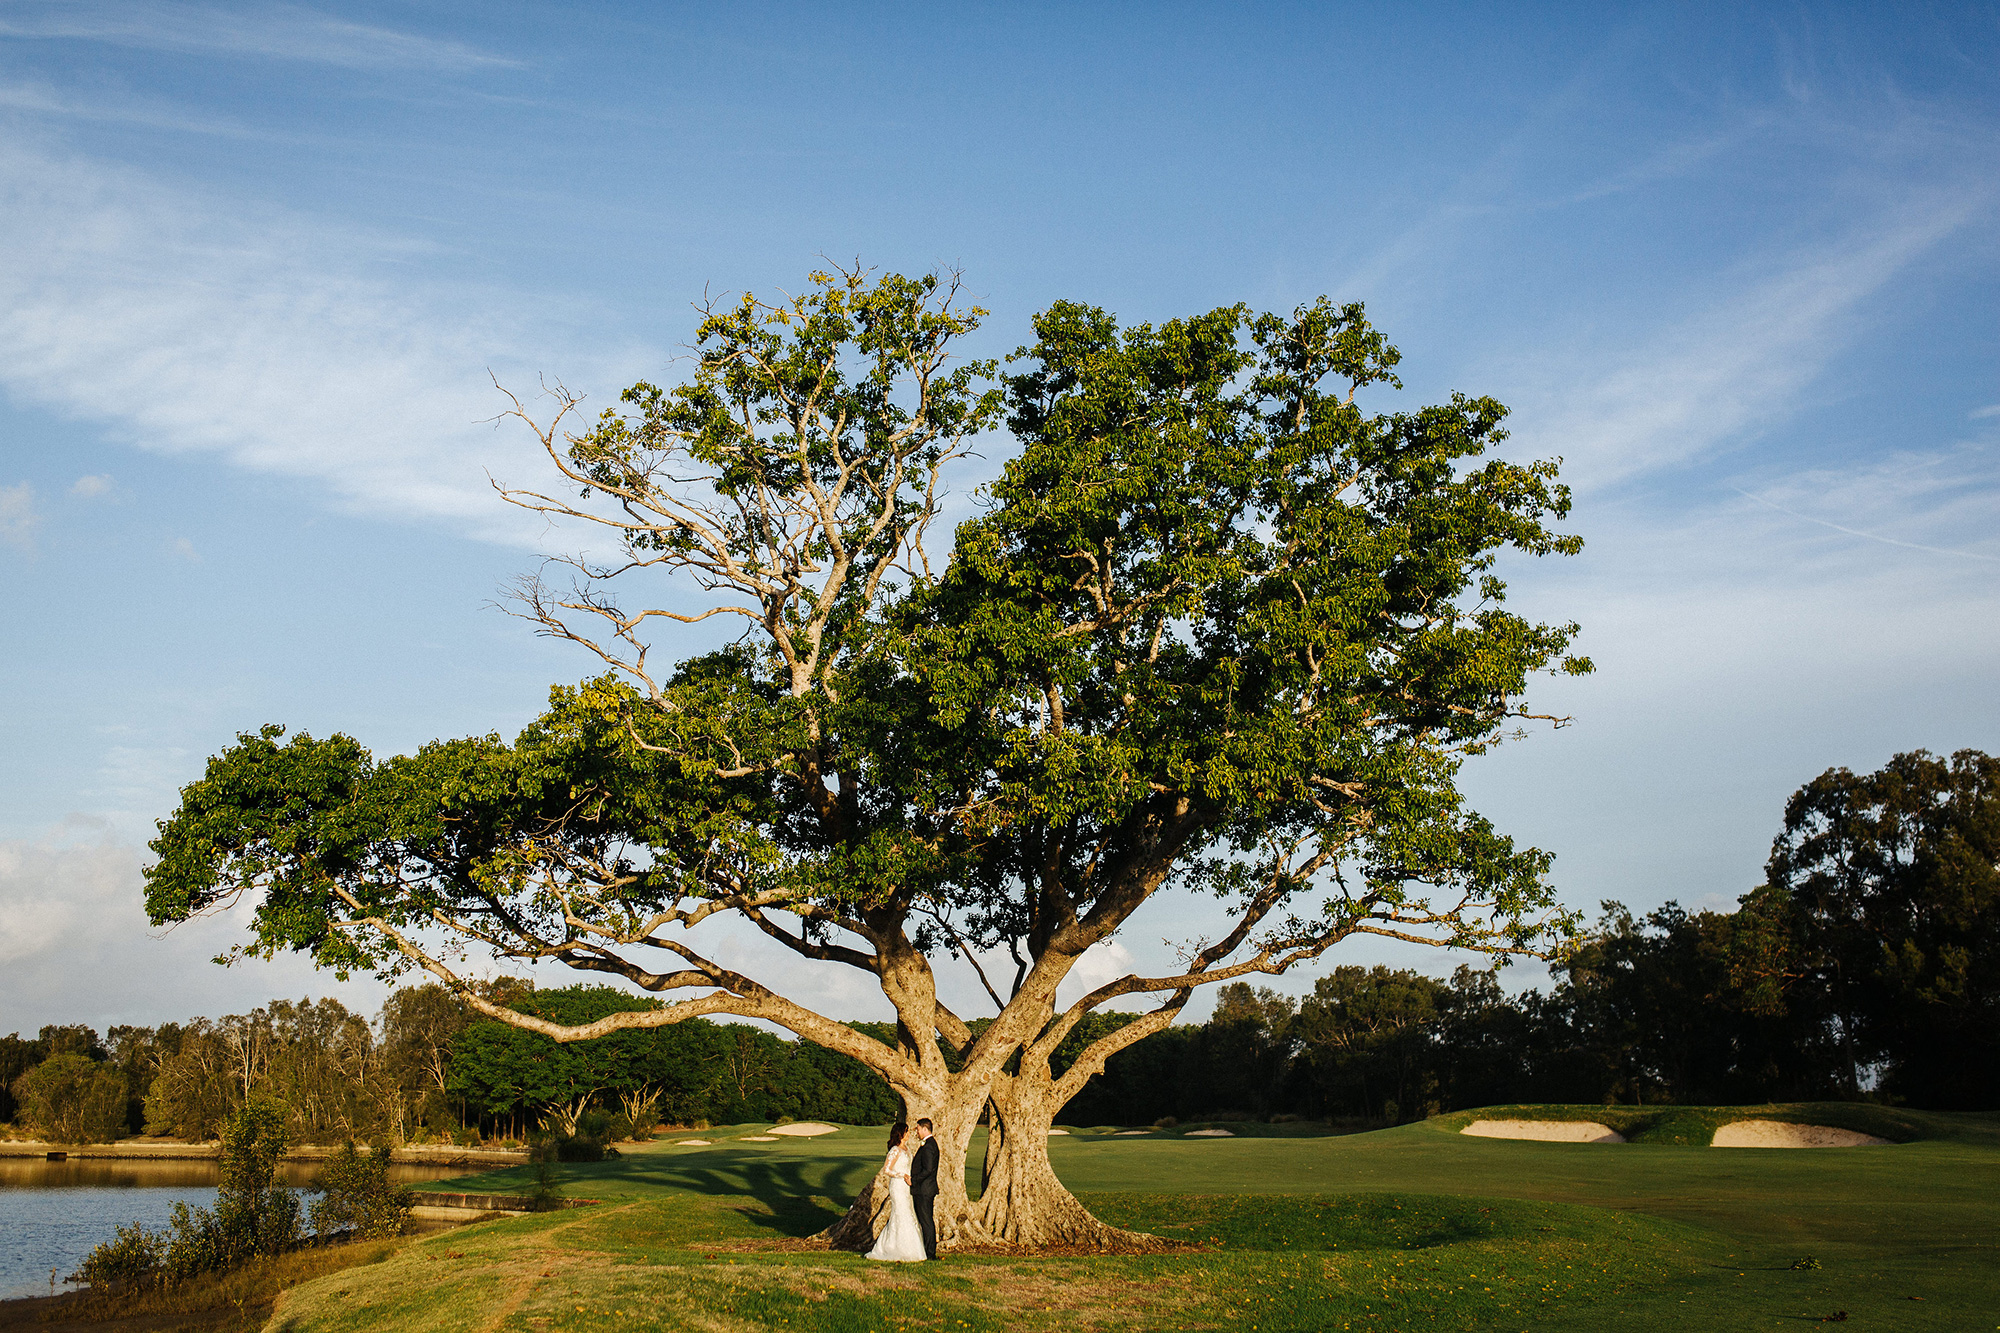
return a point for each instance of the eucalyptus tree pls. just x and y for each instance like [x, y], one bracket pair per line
[1216, 629]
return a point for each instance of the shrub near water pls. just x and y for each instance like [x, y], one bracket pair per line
[253, 1215]
[136, 1253]
[357, 1196]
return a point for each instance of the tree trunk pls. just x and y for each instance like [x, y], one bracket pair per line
[1024, 1206]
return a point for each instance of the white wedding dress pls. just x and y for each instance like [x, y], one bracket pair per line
[902, 1240]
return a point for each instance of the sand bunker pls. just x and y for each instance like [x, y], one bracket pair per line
[1127, 1133]
[1780, 1134]
[1209, 1134]
[760, 1138]
[1547, 1131]
[805, 1129]
[1058, 1132]
[692, 1143]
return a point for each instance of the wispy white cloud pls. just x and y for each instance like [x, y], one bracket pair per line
[135, 782]
[89, 488]
[1733, 367]
[1103, 962]
[1981, 413]
[1792, 586]
[271, 31]
[282, 345]
[75, 945]
[1941, 503]
[39, 99]
[1669, 161]
[1743, 648]
[18, 519]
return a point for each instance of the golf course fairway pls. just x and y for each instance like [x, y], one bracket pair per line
[1416, 1228]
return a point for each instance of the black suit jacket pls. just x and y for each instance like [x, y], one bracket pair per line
[923, 1170]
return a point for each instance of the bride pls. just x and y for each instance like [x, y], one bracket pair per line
[902, 1241]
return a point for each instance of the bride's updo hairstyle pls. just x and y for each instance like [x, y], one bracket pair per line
[896, 1132]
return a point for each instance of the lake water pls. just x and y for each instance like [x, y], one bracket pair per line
[52, 1214]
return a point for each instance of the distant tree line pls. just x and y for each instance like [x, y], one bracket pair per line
[428, 1069]
[1867, 963]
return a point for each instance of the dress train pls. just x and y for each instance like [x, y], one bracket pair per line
[902, 1239]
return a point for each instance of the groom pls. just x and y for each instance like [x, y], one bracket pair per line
[923, 1187]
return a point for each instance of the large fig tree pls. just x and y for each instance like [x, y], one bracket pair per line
[1216, 630]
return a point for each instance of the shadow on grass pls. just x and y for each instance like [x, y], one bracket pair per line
[798, 1195]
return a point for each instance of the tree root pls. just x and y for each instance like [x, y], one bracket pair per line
[857, 1228]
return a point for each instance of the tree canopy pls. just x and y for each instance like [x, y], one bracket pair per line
[1879, 923]
[1217, 627]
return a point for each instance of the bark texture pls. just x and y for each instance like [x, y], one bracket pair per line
[1023, 1205]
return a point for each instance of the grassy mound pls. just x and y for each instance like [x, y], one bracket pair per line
[1416, 1228]
[1411, 1262]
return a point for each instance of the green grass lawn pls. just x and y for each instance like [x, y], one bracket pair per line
[1416, 1228]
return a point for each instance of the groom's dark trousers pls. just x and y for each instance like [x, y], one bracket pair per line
[923, 1193]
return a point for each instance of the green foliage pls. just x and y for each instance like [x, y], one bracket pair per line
[1370, 1033]
[17, 1056]
[1219, 627]
[134, 1254]
[356, 1195]
[419, 1027]
[240, 1300]
[1879, 920]
[1205, 585]
[316, 1058]
[71, 1039]
[1651, 1012]
[133, 1052]
[698, 1070]
[253, 1143]
[253, 1216]
[71, 1098]
[546, 1196]
[199, 1085]
[138, 1053]
[581, 1137]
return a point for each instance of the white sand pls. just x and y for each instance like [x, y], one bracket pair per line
[1547, 1131]
[805, 1129]
[1780, 1134]
[692, 1143]
[1209, 1134]
[1055, 1132]
[1127, 1133]
[760, 1138]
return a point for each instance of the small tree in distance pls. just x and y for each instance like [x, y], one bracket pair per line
[1217, 629]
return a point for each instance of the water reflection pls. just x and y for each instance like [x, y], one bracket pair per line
[49, 1230]
[52, 1214]
[132, 1173]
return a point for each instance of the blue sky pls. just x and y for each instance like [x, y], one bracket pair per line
[1738, 265]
